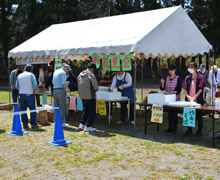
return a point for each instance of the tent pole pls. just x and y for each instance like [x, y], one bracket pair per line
[135, 59]
[142, 81]
[9, 88]
[212, 89]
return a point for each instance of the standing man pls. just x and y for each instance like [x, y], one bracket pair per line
[12, 80]
[27, 85]
[214, 79]
[87, 86]
[207, 83]
[59, 92]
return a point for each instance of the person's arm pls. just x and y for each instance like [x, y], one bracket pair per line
[129, 81]
[201, 87]
[34, 82]
[185, 89]
[94, 82]
[179, 86]
[114, 81]
[163, 82]
[17, 85]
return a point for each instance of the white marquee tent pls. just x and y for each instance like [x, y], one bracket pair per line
[164, 32]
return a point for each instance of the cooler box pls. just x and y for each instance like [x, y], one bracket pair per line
[108, 95]
[160, 98]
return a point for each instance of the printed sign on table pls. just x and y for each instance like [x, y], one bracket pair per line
[79, 104]
[106, 62]
[58, 64]
[157, 113]
[115, 63]
[44, 99]
[126, 62]
[189, 116]
[72, 103]
[101, 107]
[96, 60]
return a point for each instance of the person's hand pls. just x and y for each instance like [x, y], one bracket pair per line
[189, 97]
[123, 86]
[12, 88]
[162, 80]
[68, 82]
[214, 85]
[193, 98]
[34, 91]
[110, 90]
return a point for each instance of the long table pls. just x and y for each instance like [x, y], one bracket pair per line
[210, 110]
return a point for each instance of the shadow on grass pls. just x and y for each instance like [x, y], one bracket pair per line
[35, 130]
[2, 131]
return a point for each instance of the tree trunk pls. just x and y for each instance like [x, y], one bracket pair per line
[193, 58]
[154, 64]
[183, 64]
[200, 59]
[148, 61]
[168, 63]
[159, 63]
[207, 60]
[178, 64]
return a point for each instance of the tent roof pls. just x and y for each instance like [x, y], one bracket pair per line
[163, 32]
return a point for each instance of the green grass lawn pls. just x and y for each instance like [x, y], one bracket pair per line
[112, 152]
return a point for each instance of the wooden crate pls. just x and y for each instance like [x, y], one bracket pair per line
[43, 117]
[50, 117]
[6, 107]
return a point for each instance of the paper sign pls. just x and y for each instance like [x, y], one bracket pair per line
[157, 113]
[106, 62]
[126, 62]
[115, 63]
[58, 64]
[96, 60]
[101, 107]
[79, 104]
[44, 99]
[72, 103]
[189, 116]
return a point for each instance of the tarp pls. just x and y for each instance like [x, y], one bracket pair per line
[164, 32]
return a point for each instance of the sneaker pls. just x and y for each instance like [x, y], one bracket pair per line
[35, 126]
[25, 126]
[132, 122]
[89, 129]
[120, 122]
[81, 126]
[65, 125]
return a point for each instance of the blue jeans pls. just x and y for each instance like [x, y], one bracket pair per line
[15, 95]
[27, 100]
[89, 112]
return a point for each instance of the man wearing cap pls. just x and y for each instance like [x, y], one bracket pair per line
[205, 75]
[27, 85]
[87, 86]
[214, 79]
[59, 92]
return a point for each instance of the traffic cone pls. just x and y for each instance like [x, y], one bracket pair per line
[58, 138]
[16, 127]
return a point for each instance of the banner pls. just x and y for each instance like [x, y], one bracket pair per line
[72, 103]
[101, 107]
[106, 62]
[189, 116]
[58, 64]
[44, 99]
[96, 60]
[126, 62]
[79, 104]
[157, 113]
[115, 63]
[27, 60]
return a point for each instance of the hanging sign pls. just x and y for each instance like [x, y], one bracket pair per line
[79, 104]
[96, 60]
[189, 116]
[72, 103]
[101, 107]
[44, 99]
[157, 113]
[106, 62]
[32, 60]
[115, 63]
[126, 62]
[58, 64]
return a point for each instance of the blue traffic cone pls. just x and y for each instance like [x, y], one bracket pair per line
[16, 127]
[58, 138]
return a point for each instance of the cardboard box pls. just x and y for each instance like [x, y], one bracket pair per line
[43, 117]
[50, 117]
[108, 95]
[160, 98]
[6, 107]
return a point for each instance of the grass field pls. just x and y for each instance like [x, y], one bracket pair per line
[112, 152]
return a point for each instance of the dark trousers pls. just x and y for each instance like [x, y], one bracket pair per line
[38, 99]
[172, 120]
[89, 112]
[124, 111]
[15, 95]
[27, 100]
[199, 118]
